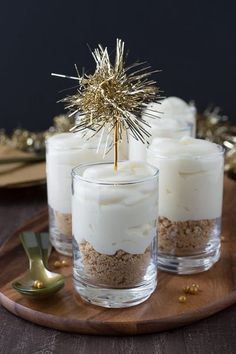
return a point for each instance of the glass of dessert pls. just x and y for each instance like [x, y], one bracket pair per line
[65, 151]
[190, 203]
[114, 215]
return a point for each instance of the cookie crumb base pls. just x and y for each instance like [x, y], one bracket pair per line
[121, 270]
[188, 247]
[184, 238]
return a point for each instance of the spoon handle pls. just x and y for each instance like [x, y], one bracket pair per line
[31, 243]
[45, 246]
[36, 245]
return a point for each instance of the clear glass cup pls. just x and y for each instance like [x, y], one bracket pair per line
[190, 207]
[114, 238]
[63, 152]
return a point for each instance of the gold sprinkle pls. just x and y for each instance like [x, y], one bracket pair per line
[35, 283]
[64, 263]
[39, 285]
[195, 285]
[193, 290]
[182, 299]
[57, 264]
[186, 289]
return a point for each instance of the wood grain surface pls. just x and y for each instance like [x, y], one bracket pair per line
[214, 334]
[161, 312]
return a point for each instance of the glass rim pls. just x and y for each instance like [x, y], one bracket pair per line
[78, 148]
[183, 128]
[54, 145]
[211, 155]
[75, 174]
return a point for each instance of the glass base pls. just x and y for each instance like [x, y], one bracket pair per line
[61, 247]
[114, 298]
[189, 264]
[62, 243]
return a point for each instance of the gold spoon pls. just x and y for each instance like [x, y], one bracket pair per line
[38, 281]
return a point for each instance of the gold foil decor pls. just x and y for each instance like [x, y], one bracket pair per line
[111, 99]
[216, 127]
[29, 141]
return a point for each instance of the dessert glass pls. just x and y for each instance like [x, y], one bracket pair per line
[63, 152]
[114, 234]
[190, 203]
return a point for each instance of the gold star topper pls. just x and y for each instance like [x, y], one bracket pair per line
[112, 98]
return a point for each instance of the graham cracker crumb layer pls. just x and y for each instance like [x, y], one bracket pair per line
[119, 270]
[182, 238]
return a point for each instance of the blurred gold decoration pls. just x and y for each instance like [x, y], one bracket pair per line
[26, 140]
[4, 139]
[215, 127]
[230, 157]
[112, 98]
[63, 123]
[211, 124]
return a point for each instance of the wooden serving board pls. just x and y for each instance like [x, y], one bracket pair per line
[67, 312]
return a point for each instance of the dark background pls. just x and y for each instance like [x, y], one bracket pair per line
[193, 42]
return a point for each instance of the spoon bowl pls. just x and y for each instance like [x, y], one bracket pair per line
[52, 282]
[36, 246]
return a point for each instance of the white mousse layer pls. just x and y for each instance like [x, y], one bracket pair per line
[116, 210]
[64, 152]
[171, 118]
[191, 178]
[179, 110]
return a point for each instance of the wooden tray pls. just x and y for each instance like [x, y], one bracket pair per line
[162, 311]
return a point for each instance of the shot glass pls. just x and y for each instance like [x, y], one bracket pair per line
[65, 151]
[190, 203]
[114, 217]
